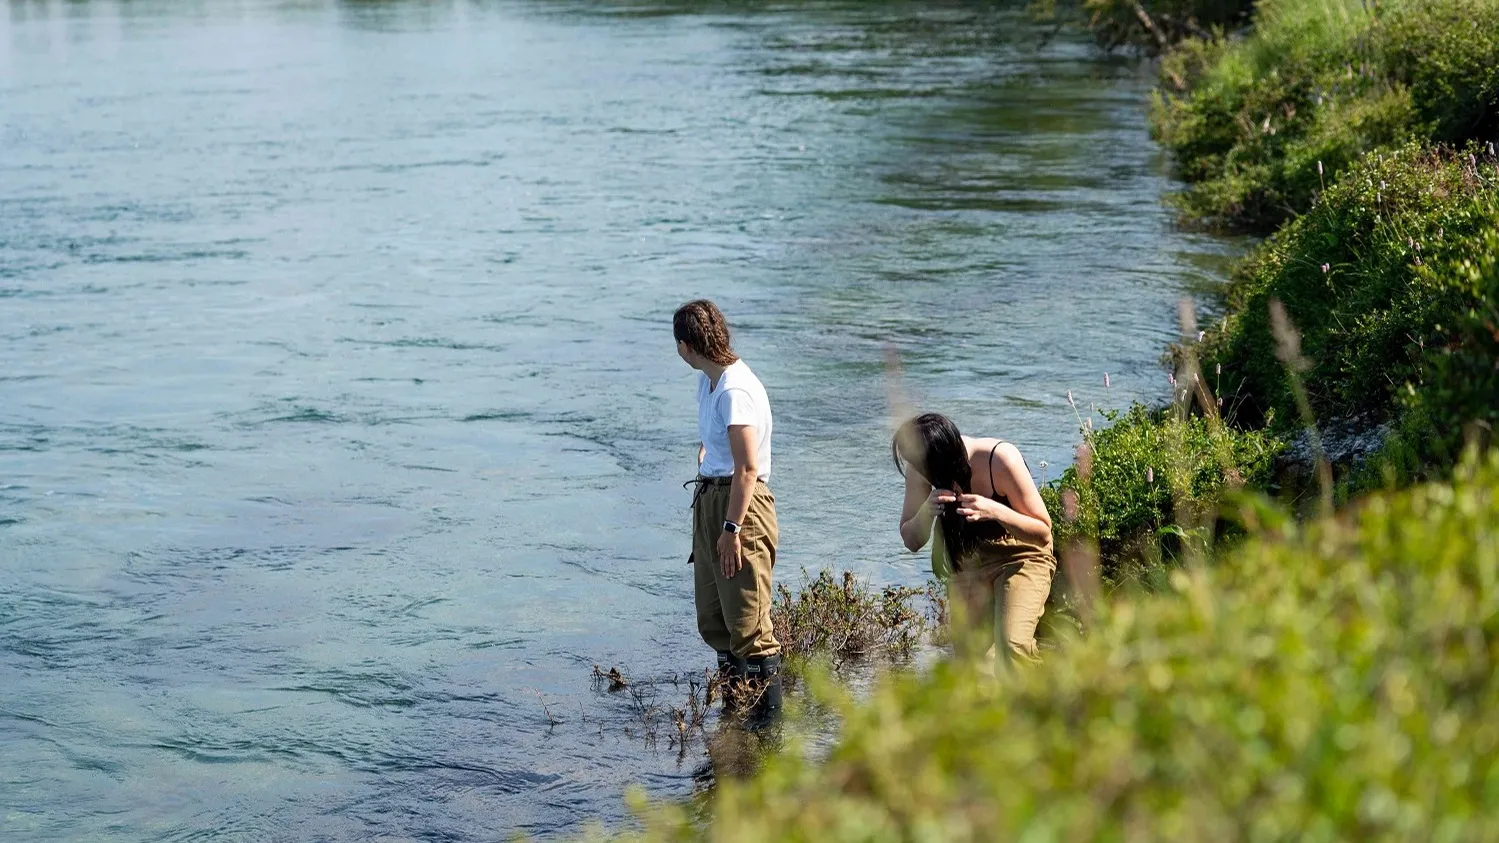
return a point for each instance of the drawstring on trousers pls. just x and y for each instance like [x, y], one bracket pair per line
[704, 482]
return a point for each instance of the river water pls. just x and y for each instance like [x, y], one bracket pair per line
[341, 424]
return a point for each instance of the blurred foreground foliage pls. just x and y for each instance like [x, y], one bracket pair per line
[1330, 681]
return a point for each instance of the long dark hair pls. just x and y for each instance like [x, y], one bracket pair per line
[932, 446]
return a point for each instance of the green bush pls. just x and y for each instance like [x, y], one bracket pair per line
[1333, 685]
[1447, 54]
[1452, 401]
[1318, 84]
[1355, 276]
[1145, 467]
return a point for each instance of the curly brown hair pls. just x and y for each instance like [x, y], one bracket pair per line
[701, 325]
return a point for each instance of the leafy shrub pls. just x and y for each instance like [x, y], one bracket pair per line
[1333, 685]
[1235, 124]
[1146, 465]
[1261, 125]
[1447, 54]
[843, 617]
[1452, 402]
[1354, 276]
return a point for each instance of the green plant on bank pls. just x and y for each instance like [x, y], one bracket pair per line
[1155, 474]
[1329, 682]
[1372, 277]
[1259, 126]
[1453, 402]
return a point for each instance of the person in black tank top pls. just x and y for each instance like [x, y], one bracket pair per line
[993, 544]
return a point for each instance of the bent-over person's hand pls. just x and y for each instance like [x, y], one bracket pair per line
[730, 555]
[938, 499]
[979, 508]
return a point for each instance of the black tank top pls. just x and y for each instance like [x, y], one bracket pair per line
[993, 534]
[993, 487]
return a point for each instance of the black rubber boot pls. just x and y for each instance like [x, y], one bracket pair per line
[731, 679]
[764, 675]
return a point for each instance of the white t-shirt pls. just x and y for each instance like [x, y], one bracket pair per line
[739, 399]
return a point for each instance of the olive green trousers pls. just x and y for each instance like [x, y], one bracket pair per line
[733, 613]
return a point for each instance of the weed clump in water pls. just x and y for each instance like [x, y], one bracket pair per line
[844, 618]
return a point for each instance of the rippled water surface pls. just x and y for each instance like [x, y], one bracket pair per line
[340, 420]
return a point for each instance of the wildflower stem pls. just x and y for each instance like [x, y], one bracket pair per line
[1288, 350]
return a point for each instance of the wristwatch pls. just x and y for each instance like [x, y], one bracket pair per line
[731, 528]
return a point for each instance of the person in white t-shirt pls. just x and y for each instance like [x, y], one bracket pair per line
[734, 529]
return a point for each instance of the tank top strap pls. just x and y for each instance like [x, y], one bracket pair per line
[993, 487]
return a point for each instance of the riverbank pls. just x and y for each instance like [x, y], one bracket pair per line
[1354, 348]
[1288, 669]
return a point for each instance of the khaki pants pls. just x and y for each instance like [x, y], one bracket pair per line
[733, 614]
[1000, 600]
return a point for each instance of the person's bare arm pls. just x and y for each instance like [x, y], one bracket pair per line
[919, 509]
[741, 488]
[1026, 517]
